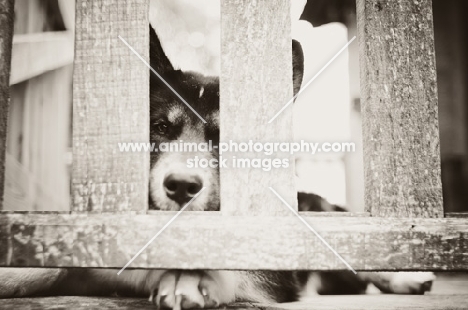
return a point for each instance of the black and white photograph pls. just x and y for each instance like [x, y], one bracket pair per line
[234, 154]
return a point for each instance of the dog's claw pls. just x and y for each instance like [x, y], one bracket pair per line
[188, 303]
[157, 301]
[179, 290]
[209, 302]
[166, 301]
[178, 302]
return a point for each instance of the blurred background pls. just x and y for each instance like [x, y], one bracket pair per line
[38, 159]
[39, 139]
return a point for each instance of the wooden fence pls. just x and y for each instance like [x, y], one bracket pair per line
[404, 228]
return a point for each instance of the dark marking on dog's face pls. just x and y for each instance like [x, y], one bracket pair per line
[172, 183]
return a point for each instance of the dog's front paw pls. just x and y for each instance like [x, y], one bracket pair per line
[191, 289]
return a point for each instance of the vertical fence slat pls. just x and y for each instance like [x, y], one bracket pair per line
[256, 82]
[110, 105]
[6, 39]
[400, 114]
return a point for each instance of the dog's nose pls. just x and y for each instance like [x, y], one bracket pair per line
[181, 187]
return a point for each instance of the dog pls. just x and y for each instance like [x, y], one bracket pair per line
[171, 186]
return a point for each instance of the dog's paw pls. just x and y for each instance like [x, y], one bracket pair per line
[411, 282]
[191, 289]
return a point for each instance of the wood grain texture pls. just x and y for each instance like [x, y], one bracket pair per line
[381, 302]
[457, 214]
[85, 303]
[360, 302]
[110, 106]
[217, 242]
[256, 82]
[399, 107]
[77, 302]
[6, 37]
[444, 295]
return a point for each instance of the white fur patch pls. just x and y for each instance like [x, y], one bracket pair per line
[202, 90]
[418, 277]
[174, 113]
[226, 283]
[372, 290]
[214, 117]
[310, 290]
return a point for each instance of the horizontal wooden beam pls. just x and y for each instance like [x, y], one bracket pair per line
[34, 54]
[208, 240]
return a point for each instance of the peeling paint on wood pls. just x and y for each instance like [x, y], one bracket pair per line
[400, 115]
[208, 240]
[110, 106]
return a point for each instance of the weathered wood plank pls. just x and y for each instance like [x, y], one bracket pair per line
[358, 302]
[399, 107]
[381, 302]
[77, 302]
[111, 106]
[256, 82]
[6, 37]
[84, 303]
[457, 214]
[218, 242]
[334, 214]
[34, 54]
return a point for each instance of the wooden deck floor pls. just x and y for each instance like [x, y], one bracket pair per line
[449, 292]
[364, 302]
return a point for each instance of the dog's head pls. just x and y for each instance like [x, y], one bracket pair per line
[172, 183]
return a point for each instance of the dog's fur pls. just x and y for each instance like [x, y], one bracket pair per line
[171, 120]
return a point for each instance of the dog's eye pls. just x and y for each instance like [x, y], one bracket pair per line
[162, 128]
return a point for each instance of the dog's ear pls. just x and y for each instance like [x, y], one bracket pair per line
[158, 59]
[298, 65]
